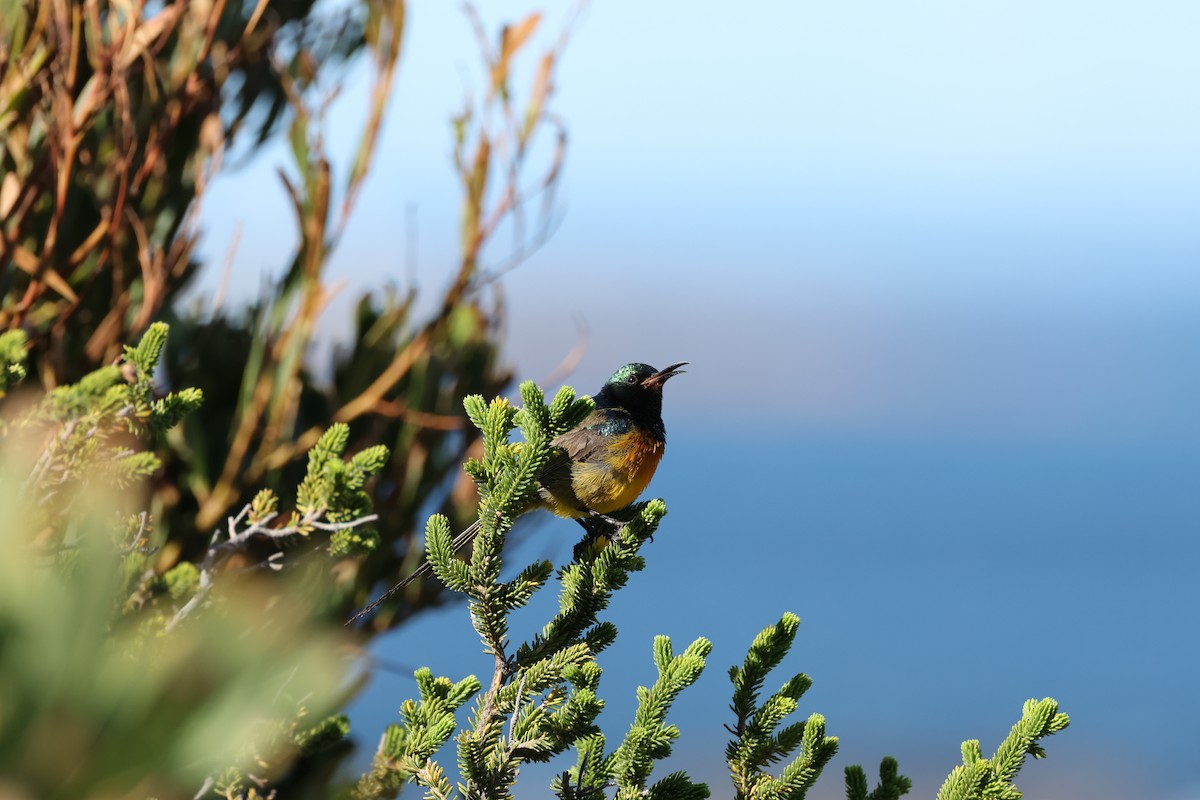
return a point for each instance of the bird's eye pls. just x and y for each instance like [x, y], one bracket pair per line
[631, 379]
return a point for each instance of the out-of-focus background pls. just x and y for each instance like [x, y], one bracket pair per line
[935, 265]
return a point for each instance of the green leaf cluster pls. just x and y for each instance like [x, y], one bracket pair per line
[95, 702]
[88, 425]
[892, 785]
[649, 738]
[507, 479]
[13, 347]
[406, 752]
[543, 695]
[323, 735]
[182, 580]
[542, 699]
[980, 777]
[760, 741]
[334, 488]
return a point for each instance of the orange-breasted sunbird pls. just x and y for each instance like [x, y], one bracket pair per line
[602, 464]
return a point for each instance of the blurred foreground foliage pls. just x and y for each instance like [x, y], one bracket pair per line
[102, 691]
[191, 510]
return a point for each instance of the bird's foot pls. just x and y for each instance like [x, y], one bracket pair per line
[616, 523]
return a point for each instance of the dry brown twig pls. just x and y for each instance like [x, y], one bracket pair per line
[219, 550]
[90, 76]
[514, 133]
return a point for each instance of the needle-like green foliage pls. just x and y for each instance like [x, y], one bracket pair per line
[334, 488]
[978, 777]
[543, 699]
[88, 428]
[759, 740]
[13, 345]
[448, 569]
[649, 738]
[406, 751]
[892, 785]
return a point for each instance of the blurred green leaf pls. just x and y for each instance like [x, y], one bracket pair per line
[96, 704]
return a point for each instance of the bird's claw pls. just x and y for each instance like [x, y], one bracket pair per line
[616, 523]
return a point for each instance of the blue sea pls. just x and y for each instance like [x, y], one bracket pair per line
[939, 583]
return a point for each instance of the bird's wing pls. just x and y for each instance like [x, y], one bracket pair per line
[587, 442]
[583, 446]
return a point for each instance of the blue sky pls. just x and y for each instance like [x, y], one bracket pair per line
[917, 241]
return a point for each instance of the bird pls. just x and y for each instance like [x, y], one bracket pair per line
[601, 465]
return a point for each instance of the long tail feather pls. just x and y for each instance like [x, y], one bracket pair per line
[460, 541]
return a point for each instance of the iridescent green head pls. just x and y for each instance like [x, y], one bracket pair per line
[637, 388]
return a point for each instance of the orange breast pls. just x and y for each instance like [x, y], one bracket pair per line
[622, 477]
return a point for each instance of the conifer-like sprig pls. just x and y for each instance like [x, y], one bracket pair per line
[760, 742]
[161, 414]
[978, 777]
[589, 778]
[550, 701]
[332, 498]
[677, 786]
[13, 347]
[543, 699]
[406, 751]
[87, 425]
[649, 738]
[333, 489]
[508, 477]
[600, 568]
[439, 545]
[892, 785]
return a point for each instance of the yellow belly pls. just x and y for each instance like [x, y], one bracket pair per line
[606, 486]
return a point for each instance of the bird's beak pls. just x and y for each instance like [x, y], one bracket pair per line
[656, 380]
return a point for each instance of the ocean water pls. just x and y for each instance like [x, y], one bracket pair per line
[939, 584]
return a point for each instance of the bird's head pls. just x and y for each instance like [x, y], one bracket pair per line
[638, 387]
